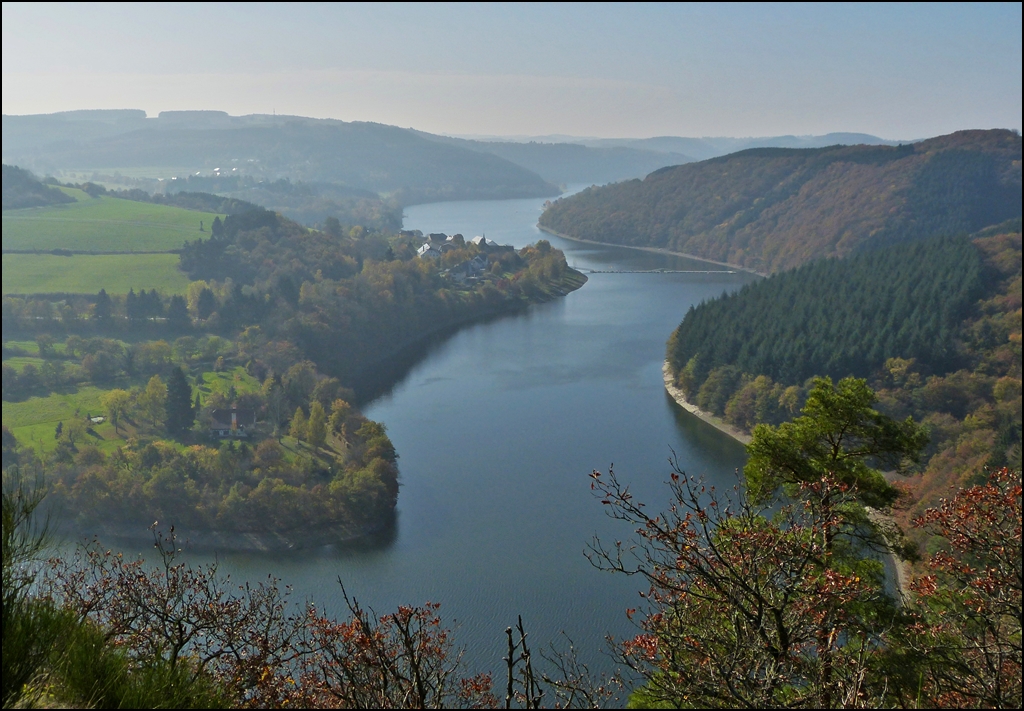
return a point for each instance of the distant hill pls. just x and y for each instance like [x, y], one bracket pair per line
[22, 189]
[566, 162]
[368, 156]
[712, 147]
[770, 209]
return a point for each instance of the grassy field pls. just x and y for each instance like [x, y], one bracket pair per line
[87, 273]
[103, 224]
[214, 382]
[30, 347]
[19, 362]
[34, 420]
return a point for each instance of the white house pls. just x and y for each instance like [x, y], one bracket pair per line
[428, 251]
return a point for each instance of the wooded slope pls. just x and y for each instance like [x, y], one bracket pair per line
[369, 156]
[934, 326]
[770, 209]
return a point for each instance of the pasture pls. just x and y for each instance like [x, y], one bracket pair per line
[102, 224]
[88, 273]
[34, 421]
[214, 382]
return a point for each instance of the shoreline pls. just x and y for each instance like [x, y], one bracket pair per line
[714, 421]
[227, 541]
[900, 567]
[655, 250]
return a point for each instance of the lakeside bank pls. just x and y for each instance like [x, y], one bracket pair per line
[680, 397]
[655, 250]
[898, 568]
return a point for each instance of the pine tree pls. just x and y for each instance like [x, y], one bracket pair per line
[103, 306]
[177, 312]
[180, 414]
[131, 305]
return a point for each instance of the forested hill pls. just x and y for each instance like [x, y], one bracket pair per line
[935, 326]
[369, 156]
[564, 163]
[22, 189]
[770, 209]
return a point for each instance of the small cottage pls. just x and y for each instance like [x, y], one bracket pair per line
[232, 422]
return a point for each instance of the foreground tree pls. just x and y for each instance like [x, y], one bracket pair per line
[965, 646]
[746, 610]
[837, 435]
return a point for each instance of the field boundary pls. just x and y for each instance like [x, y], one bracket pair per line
[84, 252]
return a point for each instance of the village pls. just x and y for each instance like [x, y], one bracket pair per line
[437, 244]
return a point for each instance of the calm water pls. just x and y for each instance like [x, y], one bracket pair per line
[498, 427]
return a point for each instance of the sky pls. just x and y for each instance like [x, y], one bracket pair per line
[602, 70]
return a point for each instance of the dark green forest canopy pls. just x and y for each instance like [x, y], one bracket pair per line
[771, 209]
[839, 317]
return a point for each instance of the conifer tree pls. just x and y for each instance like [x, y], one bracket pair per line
[103, 306]
[180, 415]
[298, 429]
[316, 427]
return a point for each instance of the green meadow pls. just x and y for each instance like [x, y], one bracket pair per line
[102, 224]
[214, 382]
[34, 421]
[88, 273]
[19, 362]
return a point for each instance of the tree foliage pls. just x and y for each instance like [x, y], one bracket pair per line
[746, 608]
[838, 436]
[967, 638]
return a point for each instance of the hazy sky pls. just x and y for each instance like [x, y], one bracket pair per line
[898, 71]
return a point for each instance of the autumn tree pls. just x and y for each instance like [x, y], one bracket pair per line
[745, 607]
[273, 394]
[153, 400]
[405, 659]
[298, 428]
[188, 619]
[340, 412]
[316, 426]
[116, 403]
[965, 648]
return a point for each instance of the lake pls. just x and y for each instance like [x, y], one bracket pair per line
[498, 427]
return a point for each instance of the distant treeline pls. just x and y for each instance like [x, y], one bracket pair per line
[306, 202]
[202, 202]
[22, 189]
